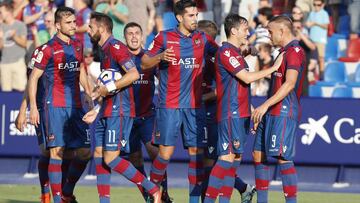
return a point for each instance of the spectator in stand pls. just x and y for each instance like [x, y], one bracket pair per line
[13, 36]
[333, 6]
[264, 61]
[353, 10]
[33, 16]
[43, 36]
[261, 34]
[143, 13]
[298, 15]
[19, 6]
[82, 22]
[119, 14]
[306, 6]
[312, 56]
[318, 23]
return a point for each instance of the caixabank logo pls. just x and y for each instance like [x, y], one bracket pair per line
[315, 129]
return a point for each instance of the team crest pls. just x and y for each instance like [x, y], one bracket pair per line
[236, 144]
[197, 41]
[77, 48]
[51, 137]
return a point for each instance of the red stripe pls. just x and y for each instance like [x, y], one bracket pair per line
[290, 190]
[282, 138]
[288, 171]
[218, 172]
[100, 169]
[103, 190]
[174, 79]
[158, 165]
[132, 102]
[54, 168]
[262, 184]
[79, 58]
[138, 178]
[197, 73]
[196, 164]
[56, 189]
[122, 166]
[153, 190]
[226, 191]
[156, 178]
[212, 192]
[58, 91]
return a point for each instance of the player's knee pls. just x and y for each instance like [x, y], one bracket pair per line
[110, 156]
[57, 152]
[98, 152]
[83, 154]
[195, 150]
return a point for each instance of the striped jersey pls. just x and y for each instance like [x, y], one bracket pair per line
[144, 89]
[61, 64]
[180, 80]
[233, 95]
[115, 55]
[294, 58]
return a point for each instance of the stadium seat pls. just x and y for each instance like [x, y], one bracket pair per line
[315, 91]
[335, 72]
[357, 73]
[332, 47]
[344, 25]
[342, 92]
[169, 20]
[353, 51]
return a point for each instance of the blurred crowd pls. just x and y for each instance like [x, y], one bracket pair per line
[26, 24]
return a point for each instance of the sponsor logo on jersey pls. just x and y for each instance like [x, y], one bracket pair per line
[234, 62]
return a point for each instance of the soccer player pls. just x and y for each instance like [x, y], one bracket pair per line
[209, 99]
[277, 118]
[61, 62]
[233, 107]
[180, 53]
[144, 121]
[21, 123]
[117, 111]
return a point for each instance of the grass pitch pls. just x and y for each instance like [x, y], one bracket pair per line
[88, 194]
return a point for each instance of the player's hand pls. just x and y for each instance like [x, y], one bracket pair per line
[90, 116]
[253, 130]
[258, 114]
[34, 117]
[278, 61]
[168, 55]
[20, 121]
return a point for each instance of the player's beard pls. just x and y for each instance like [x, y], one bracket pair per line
[96, 38]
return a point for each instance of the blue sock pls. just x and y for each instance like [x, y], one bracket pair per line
[195, 176]
[55, 179]
[228, 184]
[141, 169]
[289, 181]
[262, 178]
[103, 177]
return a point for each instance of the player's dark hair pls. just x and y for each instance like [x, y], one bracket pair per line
[62, 12]
[132, 24]
[267, 12]
[103, 19]
[209, 27]
[282, 19]
[233, 21]
[180, 6]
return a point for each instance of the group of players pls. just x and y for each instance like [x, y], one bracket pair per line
[204, 96]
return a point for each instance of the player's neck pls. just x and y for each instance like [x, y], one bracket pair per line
[135, 51]
[234, 42]
[63, 37]
[287, 40]
[104, 37]
[184, 31]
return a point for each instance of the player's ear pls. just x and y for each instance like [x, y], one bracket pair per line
[234, 31]
[179, 18]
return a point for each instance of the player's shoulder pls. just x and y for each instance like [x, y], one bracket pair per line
[117, 45]
[295, 50]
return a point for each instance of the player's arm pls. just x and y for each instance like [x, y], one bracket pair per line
[249, 77]
[20, 121]
[19, 38]
[84, 81]
[90, 116]
[284, 90]
[28, 19]
[36, 73]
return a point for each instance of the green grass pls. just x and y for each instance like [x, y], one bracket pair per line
[87, 194]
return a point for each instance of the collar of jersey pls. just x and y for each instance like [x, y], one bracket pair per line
[61, 41]
[290, 44]
[107, 42]
[231, 46]
[184, 36]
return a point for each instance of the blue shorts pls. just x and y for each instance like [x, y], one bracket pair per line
[233, 133]
[112, 133]
[40, 130]
[190, 123]
[276, 137]
[211, 132]
[141, 131]
[65, 128]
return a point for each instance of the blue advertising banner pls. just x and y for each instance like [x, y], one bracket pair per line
[328, 133]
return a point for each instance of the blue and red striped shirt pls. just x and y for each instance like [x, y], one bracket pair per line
[294, 58]
[61, 64]
[115, 55]
[233, 95]
[144, 89]
[180, 80]
[83, 17]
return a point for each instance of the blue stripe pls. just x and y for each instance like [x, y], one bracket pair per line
[163, 80]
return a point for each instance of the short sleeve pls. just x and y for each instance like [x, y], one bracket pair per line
[22, 31]
[122, 55]
[325, 18]
[157, 46]
[42, 57]
[232, 61]
[294, 58]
